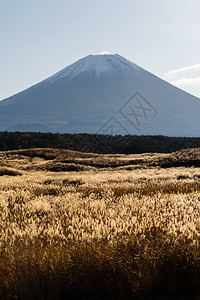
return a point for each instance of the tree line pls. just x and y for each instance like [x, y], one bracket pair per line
[129, 144]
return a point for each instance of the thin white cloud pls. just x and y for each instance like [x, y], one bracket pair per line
[177, 72]
[184, 81]
[186, 78]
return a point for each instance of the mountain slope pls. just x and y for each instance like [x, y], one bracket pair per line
[106, 94]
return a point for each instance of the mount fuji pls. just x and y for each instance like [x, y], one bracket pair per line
[105, 94]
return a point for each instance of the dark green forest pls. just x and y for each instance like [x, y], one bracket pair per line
[95, 143]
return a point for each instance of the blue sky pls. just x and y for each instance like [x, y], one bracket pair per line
[41, 37]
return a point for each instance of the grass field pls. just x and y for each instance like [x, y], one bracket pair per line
[87, 226]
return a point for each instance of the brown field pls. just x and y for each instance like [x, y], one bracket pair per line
[87, 226]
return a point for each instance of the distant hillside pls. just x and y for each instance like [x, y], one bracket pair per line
[104, 144]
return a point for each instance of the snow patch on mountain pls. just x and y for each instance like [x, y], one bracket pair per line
[104, 53]
[98, 65]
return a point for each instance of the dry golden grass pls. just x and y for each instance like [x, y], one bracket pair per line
[87, 226]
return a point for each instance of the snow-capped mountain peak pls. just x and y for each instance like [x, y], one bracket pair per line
[105, 94]
[98, 65]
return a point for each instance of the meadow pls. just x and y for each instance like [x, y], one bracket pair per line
[90, 226]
